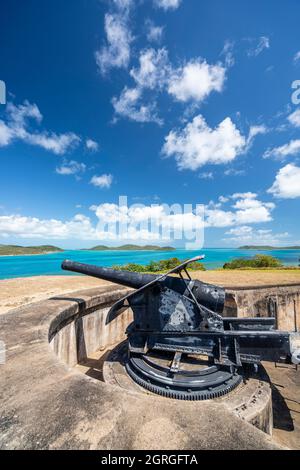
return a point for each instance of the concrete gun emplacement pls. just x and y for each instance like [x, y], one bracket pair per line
[180, 317]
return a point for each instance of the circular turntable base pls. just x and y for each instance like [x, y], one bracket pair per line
[250, 399]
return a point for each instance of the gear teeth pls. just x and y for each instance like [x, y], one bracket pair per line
[183, 395]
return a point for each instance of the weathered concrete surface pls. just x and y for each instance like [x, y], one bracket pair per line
[281, 302]
[251, 401]
[77, 340]
[47, 405]
[286, 404]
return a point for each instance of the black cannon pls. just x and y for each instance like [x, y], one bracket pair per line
[179, 345]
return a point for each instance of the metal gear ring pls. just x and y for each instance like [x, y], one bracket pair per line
[204, 384]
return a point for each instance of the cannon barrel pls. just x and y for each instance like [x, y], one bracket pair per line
[124, 278]
[211, 296]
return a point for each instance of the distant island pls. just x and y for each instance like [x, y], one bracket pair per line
[131, 248]
[267, 247]
[14, 250]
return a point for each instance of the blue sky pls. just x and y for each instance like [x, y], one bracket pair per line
[162, 101]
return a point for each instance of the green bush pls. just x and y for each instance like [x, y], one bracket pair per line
[132, 267]
[196, 266]
[258, 261]
[158, 266]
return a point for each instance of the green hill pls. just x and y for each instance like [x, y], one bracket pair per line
[131, 248]
[13, 250]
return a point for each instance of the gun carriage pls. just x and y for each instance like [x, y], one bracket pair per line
[179, 344]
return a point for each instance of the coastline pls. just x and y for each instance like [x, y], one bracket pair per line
[33, 254]
[91, 251]
[48, 263]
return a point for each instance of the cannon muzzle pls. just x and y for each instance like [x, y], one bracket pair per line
[124, 278]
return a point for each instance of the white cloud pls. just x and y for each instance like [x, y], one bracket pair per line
[247, 209]
[147, 222]
[196, 80]
[197, 144]
[261, 44]
[248, 235]
[103, 181]
[16, 128]
[294, 118]
[111, 213]
[240, 231]
[129, 105]
[287, 183]
[297, 57]
[192, 82]
[58, 144]
[167, 4]
[206, 175]
[116, 53]
[108, 215]
[255, 131]
[234, 172]
[270, 69]
[227, 53]
[290, 149]
[219, 218]
[154, 32]
[248, 195]
[6, 134]
[70, 168]
[152, 73]
[154, 222]
[92, 145]
[19, 114]
[153, 69]
[79, 227]
[123, 4]
[251, 210]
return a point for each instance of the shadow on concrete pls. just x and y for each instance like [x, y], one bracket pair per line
[95, 370]
[282, 418]
[281, 413]
[81, 302]
[78, 323]
[230, 309]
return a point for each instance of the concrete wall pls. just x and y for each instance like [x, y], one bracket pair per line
[75, 341]
[282, 302]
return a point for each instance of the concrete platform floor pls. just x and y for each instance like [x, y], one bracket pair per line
[285, 396]
[45, 404]
[286, 404]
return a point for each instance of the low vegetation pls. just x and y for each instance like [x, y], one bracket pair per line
[159, 266]
[257, 262]
[13, 250]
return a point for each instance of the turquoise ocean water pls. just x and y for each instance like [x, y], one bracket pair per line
[38, 265]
